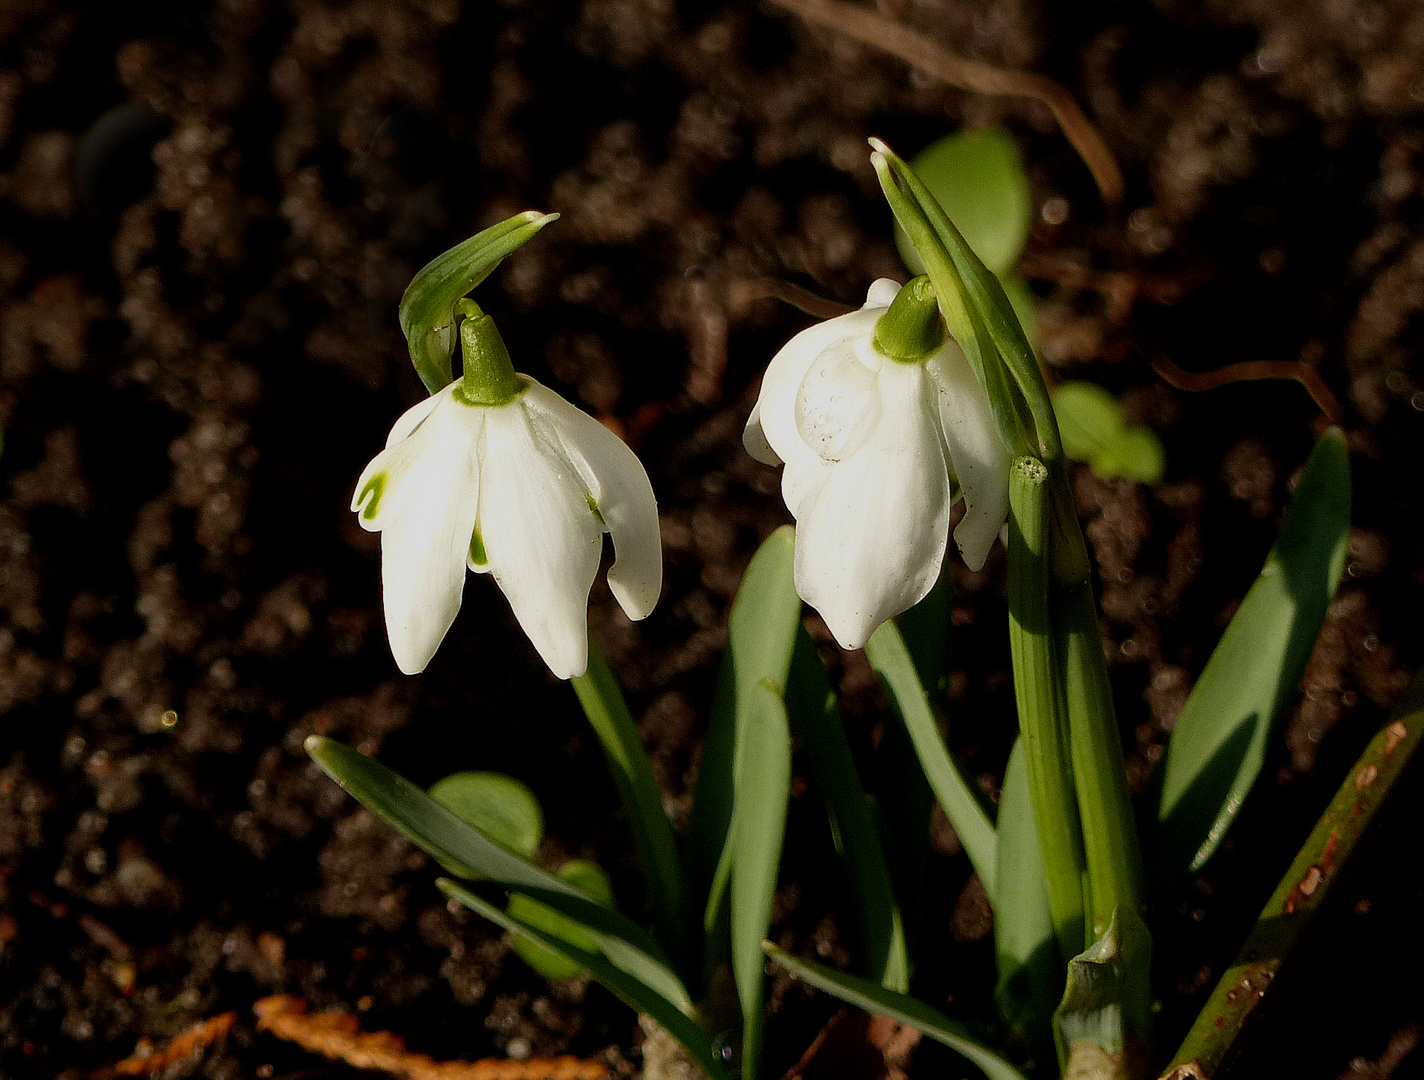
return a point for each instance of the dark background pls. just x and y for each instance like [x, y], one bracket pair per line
[208, 212]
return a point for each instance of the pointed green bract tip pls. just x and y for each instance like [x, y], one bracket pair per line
[477, 549]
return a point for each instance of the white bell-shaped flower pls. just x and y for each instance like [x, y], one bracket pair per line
[523, 489]
[874, 447]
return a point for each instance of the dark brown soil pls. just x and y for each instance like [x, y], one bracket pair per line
[199, 351]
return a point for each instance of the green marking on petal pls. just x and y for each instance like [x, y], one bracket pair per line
[370, 498]
[593, 506]
[477, 549]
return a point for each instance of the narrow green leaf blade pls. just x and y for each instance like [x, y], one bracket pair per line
[763, 788]
[817, 720]
[891, 660]
[761, 636]
[641, 996]
[1322, 863]
[428, 305]
[424, 822]
[1030, 968]
[1219, 742]
[873, 998]
[602, 700]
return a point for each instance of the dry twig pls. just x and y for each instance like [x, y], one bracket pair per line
[337, 1035]
[873, 29]
[1250, 371]
[148, 1060]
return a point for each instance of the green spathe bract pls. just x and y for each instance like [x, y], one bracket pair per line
[979, 179]
[427, 309]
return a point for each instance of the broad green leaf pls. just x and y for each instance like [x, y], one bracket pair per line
[873, 998]
[1219, 742]
[890, 658]
[1095, 431]
[424, 822]
[587, 877]
[739, 804]
[672, 1015]
[1096, 1010]
[1030, 969]
[979, 179]
[427, 308]
[602, 700]
[817, 722]
[497, 805]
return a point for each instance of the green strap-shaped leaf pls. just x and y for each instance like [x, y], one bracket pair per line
[873, 998]
[1324, 860]
[602, 700]
[735, 845]
[636, 993]
[1219, 742]
[817, 721]
[763, 787]
[423, 821]
[1030, 968]
[890, 658]
[428, 306]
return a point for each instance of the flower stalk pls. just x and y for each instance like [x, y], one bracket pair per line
[1079, 790]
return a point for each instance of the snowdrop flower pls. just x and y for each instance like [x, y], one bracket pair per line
[879, 418]
[499, 473]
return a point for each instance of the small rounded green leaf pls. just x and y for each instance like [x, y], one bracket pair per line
[582, 874]
[978, 177]
[1095, 430]
[498, 805]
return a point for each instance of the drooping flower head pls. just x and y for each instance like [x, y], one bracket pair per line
[497, 473]
[881, 423]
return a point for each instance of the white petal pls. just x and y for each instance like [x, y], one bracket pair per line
[541, 538]
[777, 401]
[805, 474]
[881, 293]
[427, 514]
[870, 543]
[754, 439]
[976, 453]
[412, 417]
[837, 405]
[619, 485]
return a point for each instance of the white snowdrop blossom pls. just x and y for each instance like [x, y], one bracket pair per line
[874, 448]
[523, 490]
